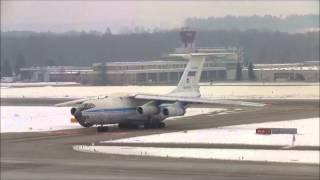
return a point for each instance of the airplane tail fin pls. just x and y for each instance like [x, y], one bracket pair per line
[188, 84]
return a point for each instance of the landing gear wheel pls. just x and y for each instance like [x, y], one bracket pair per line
[127, 126]
[122, 125]
[162, 125]
[102, 128]
[147, 125]
[154, 125]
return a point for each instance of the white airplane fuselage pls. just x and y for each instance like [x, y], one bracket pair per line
[115, 110]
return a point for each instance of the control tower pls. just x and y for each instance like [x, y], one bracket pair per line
[187, 37]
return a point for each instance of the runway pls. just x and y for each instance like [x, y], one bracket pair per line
[49, 155]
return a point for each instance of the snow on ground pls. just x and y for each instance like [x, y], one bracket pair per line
[35, 118]
[37, 84]
[259, 83]
[291, 156]
[221, 92]
[308, 135]
[44, 118]
[261, 92]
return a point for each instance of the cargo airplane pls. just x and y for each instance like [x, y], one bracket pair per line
[149, 110]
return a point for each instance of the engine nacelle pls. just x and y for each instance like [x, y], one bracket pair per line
[175, 109]
[73, 111]
[81, 107]
[148, 109]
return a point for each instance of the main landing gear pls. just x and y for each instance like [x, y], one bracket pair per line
[102, 128]
[128, 126]
[148, 125]
[154, 125]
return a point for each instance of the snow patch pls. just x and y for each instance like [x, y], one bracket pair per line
[37, 84]
[35, 118]
[219, 92]
[308, 135]
[291, 156]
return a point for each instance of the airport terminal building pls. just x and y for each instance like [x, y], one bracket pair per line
[216, 68]
[220, 67]
[168, 70]
[307, 71]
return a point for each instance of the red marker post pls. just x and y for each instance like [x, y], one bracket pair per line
[264, 131]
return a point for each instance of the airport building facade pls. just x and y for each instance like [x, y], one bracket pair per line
[220, 67]
[54, 73]
[166, 71]
[307, 71]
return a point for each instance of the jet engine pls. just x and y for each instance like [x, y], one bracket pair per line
[77, 113]
[176, 109]
[148, 109]
[80, 108]
[73, 111]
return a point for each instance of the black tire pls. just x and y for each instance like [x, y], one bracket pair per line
[154, 125]
[128, 126]
[122, 125]
[162, 125]
[147, 125]
[102, 128]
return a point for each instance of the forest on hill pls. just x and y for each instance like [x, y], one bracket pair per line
[85, 48]
[292, 23]
[79, 48]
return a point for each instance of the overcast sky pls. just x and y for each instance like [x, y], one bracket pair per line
[79, 15]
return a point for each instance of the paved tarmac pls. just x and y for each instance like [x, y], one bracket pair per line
[49, 155]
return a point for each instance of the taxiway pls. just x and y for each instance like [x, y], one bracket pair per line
[49, 155]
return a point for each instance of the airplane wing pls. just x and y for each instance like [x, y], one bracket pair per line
[73, 102]
[194, 100]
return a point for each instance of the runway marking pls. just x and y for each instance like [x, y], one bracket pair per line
[207, 146]
[40, 138]
[62, 133]
[13, 161]
[65, 133]
[288, 147]
[112, 133]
